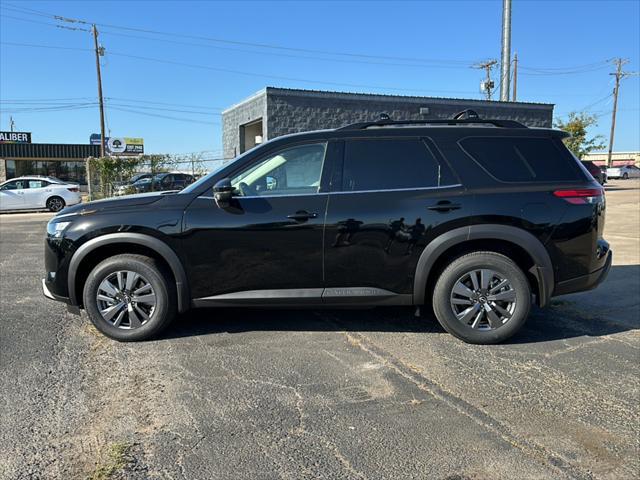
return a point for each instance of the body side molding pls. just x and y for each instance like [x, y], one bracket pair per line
[542, 269]
[161, 248]
[332, 296]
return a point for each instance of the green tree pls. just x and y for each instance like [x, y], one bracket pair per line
[577, 125]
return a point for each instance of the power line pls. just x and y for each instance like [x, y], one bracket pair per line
[30, 11]
[417, 61]
[246, 73]
[163, 116]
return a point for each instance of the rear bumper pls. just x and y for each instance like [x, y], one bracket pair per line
[586, 282]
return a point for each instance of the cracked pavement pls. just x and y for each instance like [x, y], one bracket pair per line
[296, 394]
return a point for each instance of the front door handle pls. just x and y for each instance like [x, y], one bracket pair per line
[302, 216]
[445, 206]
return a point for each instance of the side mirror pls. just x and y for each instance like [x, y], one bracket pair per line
[222, 193]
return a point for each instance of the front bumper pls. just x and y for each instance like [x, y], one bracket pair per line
[52, 296]
[585, 282]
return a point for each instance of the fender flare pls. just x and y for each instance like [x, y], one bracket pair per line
[542, 268]
[158, 246]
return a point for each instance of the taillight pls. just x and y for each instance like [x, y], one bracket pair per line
[580, 196]
[73, 189]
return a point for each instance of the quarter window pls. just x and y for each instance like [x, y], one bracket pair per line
[386, 164]
[519, 159]
[293, 171]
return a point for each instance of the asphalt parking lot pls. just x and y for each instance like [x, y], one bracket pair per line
[374, 394]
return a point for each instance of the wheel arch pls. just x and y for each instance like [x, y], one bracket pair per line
[528, 251]
[115, 243]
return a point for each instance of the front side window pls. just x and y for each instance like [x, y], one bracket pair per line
[388, 164]
[293, 171]
[14, 185]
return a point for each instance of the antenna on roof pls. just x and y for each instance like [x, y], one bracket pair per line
[466, 115]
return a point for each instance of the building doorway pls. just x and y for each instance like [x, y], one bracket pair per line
[250, 135]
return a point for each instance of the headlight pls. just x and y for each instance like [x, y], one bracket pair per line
[55, 229]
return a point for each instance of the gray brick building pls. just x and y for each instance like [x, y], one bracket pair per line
[272, 112]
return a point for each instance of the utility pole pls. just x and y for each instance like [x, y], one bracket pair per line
[505, 61]
[515, 76]
[99, 52]
[487, 84]
[12, 124]
[619, 74]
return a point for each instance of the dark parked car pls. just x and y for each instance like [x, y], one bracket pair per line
[477, 219]
[596, 172]
[162, 182]
[125, 188]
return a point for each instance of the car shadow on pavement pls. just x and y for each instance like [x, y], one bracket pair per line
[566, 317]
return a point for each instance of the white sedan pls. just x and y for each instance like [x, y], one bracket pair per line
[625, 172]
[35, 193]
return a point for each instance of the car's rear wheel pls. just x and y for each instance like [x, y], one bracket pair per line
[482, 297]
[625, 176]
[130, 297]
[55, 204]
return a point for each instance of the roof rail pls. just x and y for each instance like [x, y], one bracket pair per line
[466, 117]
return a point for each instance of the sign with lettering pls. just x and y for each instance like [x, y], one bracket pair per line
[15, 137]
[120, 145]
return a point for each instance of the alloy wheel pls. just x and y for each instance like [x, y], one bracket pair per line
[126, 299]
[56, 204]
[483, 299]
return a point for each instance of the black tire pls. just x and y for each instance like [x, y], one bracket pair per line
[456, 270]
[55, 204]
[152, 272]
[625, 176]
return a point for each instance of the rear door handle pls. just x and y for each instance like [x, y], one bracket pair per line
[445, 206]
[302, 216]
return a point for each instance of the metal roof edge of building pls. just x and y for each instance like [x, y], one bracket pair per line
[259, 93]
[391, 97]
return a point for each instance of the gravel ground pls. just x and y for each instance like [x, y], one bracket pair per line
[321, 394]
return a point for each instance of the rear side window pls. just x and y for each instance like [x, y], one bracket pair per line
[517, 159]
[384, 164]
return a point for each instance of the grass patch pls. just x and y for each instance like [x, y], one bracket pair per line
[117, 458]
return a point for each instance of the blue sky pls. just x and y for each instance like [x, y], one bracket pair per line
[562, 48]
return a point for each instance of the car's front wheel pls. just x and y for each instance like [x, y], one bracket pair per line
[55, 204]
[130, 297]
[625, 176]
[482, 297]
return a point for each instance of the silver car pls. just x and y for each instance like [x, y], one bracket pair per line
[37, 193]
[625, 172]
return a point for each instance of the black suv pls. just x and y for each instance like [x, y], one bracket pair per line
[475, 218]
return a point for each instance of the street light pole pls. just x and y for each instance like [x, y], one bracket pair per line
[506, 51]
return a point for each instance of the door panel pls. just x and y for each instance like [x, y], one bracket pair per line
[12, 195]
[254, 245]
[35, 195]
[394, 195]
[374, 239]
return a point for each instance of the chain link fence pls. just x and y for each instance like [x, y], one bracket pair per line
[113, 176]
